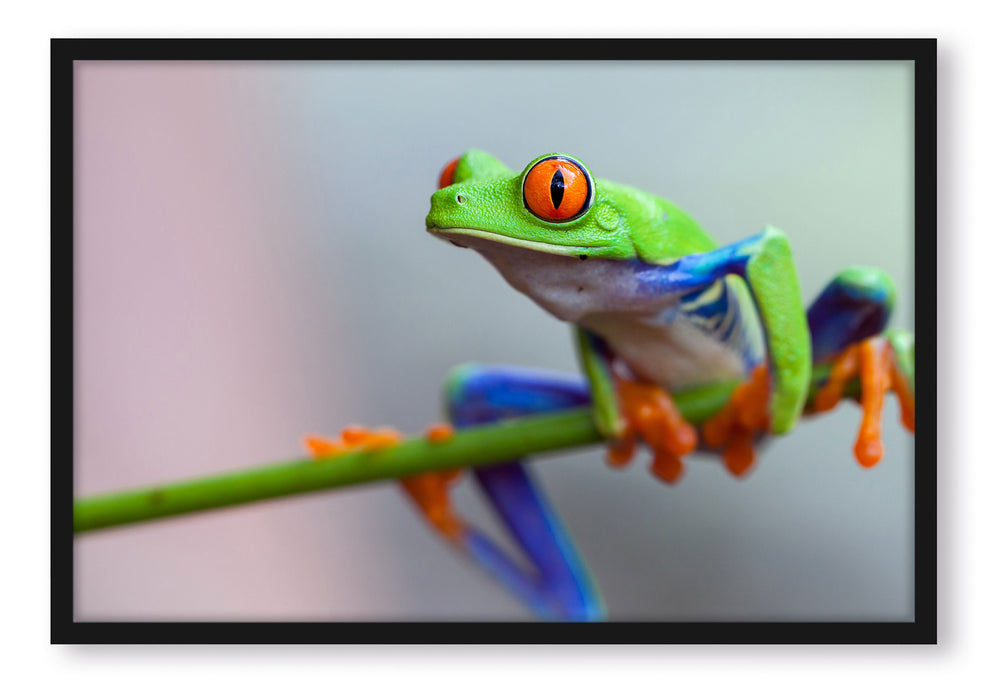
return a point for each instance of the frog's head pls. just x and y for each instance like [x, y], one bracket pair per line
[553, 206]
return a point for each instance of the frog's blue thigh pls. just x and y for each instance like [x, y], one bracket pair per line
[561, 587]
[855, 305]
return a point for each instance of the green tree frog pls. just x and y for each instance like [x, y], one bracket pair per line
[657, 306]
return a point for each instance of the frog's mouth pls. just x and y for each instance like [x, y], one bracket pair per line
[463, 237]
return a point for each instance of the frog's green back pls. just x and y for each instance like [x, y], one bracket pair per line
[659, 230]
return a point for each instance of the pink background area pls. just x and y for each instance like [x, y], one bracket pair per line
[186, 348]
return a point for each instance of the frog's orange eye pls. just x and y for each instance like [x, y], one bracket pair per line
[557, 189]
[447, 176]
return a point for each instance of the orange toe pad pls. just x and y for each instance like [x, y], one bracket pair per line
[353, 438]
[874, 363]
[738, 423]
[431, 493]
[651, 414]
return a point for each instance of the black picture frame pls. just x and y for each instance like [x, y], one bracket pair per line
[65, 629]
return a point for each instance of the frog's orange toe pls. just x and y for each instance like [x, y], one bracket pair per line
[844, 368]
[430, 492]
[716, 430]
[683, 438]
[667, 467]
[739, 455]
[381, 438]
[899, 384]
[621, 452]
[907, 417]
[874, 362]
[869, 452]
[322, 447]
[439, 432]
[652, 415]
[354, 435]
[353, 438]
[736, 426]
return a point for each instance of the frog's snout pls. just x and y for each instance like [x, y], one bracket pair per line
[445, 206]
[449, 196]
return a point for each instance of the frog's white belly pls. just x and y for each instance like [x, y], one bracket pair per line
[659, 337]
[673, 354]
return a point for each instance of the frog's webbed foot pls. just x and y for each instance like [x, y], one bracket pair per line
[650, 413]
[429, 491]
[744, 417]
[880, 363]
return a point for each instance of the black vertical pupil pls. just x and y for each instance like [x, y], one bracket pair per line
[557, 188]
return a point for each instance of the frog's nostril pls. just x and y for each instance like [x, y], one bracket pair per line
[460, 198]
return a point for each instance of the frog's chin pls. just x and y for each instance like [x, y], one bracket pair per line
[481, 240]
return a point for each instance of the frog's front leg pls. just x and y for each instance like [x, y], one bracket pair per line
[624, 409]
[556, 585]
[773, 398]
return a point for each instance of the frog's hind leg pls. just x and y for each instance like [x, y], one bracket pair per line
[557, 584]
[854, 306]
[847, 323]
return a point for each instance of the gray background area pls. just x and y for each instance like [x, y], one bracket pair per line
[252, 267]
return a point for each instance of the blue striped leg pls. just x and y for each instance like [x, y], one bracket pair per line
[854, 306]
[554, 583]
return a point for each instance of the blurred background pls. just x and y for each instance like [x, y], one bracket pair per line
[251, 266]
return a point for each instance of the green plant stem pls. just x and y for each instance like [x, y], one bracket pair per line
[478, 446]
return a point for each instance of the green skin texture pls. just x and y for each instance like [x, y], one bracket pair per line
[625, 223]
